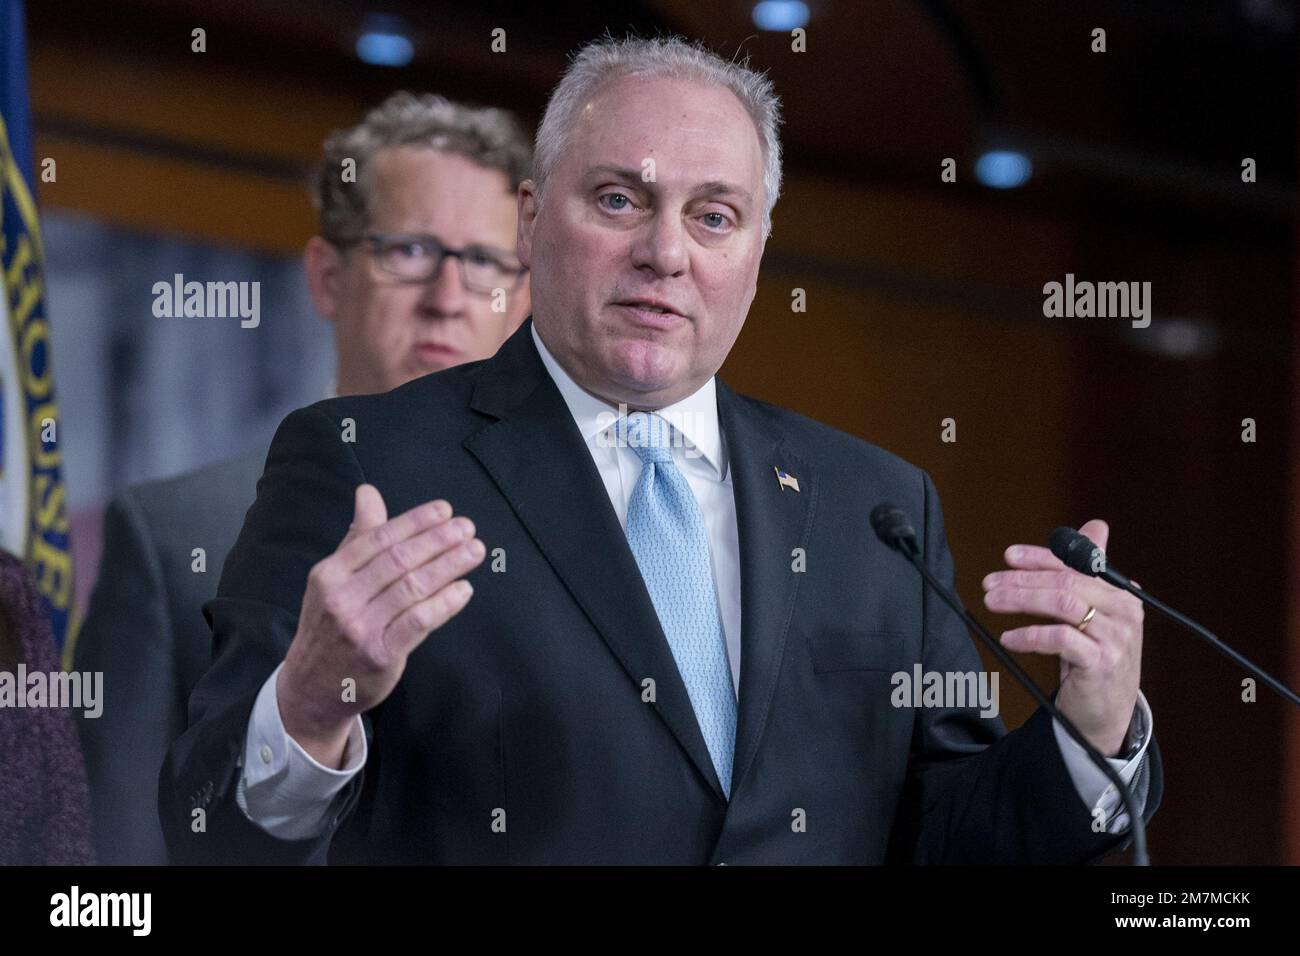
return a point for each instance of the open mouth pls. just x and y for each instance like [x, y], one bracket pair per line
[652, 315]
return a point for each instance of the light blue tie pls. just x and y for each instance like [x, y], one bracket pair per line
[666, 531]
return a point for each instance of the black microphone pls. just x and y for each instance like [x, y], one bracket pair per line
[895, 529]
[1077, 551]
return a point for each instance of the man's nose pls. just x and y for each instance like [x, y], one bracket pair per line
[662, 246]
[444, 292]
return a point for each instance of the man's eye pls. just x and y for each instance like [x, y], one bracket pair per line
[410, 250]
[718, 223]
[625, 201]
[478, 257]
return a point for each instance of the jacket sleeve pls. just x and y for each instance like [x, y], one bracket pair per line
[974, 792]
[127, 636]
[303, 509]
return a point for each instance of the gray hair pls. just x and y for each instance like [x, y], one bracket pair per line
[607, 59]
[492, 138]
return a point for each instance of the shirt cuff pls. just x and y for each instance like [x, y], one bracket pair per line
[1094, 787]
[282, 788]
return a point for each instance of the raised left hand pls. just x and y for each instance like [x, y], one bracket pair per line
[1101, 661]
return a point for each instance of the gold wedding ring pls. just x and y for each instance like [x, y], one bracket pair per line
[1087, 618]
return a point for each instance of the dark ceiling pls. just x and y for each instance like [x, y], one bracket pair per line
[1159, 122]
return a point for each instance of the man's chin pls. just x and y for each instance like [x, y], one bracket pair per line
[408, 374]
[647, 365]
[641, 390]
[422, 367]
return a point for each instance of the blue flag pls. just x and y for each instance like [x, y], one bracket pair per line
[33, 504]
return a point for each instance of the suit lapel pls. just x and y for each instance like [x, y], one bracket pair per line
[771, 522]
[535, 454]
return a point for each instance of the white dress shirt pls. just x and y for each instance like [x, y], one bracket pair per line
[290, 795]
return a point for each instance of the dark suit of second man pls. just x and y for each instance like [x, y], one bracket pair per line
[369, 275]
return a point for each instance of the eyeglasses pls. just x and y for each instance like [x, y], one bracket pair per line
[418, 258]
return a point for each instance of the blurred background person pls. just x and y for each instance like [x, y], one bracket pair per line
[415, 269]
[44, 818]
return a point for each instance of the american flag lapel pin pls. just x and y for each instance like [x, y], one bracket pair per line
[784, 480]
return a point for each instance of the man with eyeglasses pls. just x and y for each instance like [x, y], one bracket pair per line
[415, 269]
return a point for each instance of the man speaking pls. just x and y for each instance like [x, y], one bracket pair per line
[660, 628]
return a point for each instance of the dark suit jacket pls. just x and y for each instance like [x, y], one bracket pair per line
[145, 630]
[528, 706]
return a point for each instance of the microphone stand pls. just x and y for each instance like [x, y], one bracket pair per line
[1113, 577]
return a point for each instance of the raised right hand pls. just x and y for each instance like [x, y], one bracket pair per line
[366, 608]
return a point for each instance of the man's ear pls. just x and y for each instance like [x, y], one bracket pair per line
[528, 208]
[323, 264]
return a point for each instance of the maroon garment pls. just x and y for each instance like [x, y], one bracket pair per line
[44, 801]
